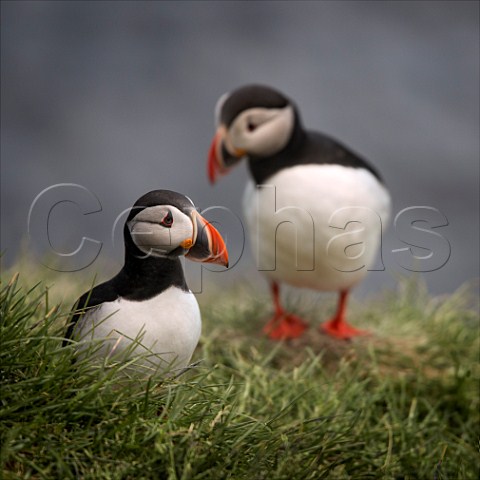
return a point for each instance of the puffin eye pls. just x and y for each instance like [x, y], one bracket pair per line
[251, 126]
[167, 220]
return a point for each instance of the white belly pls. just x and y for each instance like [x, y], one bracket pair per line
[162, 331]
[317, 226]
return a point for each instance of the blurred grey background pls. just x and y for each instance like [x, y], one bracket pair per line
[118, 98]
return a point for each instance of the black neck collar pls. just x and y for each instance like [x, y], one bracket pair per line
[143, 277]
[262, 168]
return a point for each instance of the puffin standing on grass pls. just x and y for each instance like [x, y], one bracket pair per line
[336, 201]
[147, 309]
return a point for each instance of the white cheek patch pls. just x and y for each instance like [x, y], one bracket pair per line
[272, 130]
[182, 228]
[152, 238]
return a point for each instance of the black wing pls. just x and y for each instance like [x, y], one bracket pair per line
[100, 294]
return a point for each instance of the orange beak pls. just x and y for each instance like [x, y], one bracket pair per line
[208, 246]
[215, 164]
[220, 159]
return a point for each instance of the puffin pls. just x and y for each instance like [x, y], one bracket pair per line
[314, 209]
[147, 311]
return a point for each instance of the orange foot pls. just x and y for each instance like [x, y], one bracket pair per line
[285, 326]
[341, 330]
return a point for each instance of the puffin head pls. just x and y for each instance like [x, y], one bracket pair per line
[163, 223]
[252, 121]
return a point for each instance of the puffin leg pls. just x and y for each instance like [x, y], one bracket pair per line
[283, 326]
[338, 326]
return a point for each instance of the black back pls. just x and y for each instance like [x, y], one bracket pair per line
[306, 148]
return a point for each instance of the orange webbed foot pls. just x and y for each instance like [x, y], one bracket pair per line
[285, 327]
[342, 330]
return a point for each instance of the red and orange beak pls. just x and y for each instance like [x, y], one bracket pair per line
[208, 245]
[215, 164]
[219, 157]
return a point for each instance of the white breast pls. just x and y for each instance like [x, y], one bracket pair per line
[163, 330]
[317, 226]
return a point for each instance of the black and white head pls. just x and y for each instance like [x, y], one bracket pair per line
[253, 121]
[166, 224]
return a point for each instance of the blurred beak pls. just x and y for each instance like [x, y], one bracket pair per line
[219, 157]
[208, 245]
[215, 164]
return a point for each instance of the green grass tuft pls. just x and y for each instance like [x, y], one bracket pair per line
[402, 404]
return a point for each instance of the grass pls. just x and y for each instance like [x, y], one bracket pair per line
[402, 404]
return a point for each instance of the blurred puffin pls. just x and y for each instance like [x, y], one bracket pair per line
[335, 199]
[147, 308]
